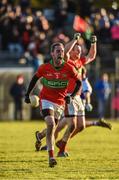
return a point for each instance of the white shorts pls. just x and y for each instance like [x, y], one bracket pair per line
[86, 86]
[75, 108]
[58, 109]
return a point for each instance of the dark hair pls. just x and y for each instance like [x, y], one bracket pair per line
[56, 44]
[20, 76]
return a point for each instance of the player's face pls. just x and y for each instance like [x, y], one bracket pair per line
[20, 80]
[76, 52]
[58, 55]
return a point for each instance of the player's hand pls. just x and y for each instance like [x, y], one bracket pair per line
[89, 107]
[68, 99]
[93, 39]
[27, 99]
[77, 36]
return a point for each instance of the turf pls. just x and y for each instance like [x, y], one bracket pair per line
[94, 154]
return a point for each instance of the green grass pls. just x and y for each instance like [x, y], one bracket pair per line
[94, 154]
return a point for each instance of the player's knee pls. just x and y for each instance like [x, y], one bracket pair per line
[51, 124]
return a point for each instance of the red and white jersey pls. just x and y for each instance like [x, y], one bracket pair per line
[55, 81]
[77, 65]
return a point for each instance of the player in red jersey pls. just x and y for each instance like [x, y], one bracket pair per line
[55, 76]
[75, 110]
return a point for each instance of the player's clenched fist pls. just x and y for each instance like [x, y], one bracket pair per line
[93, 39]
[77, 36]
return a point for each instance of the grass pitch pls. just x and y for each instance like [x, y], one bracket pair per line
[94, 154]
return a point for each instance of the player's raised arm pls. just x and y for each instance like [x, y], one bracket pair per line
[69, 46]
[93, 50]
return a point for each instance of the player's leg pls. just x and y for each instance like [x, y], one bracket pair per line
[62, 143]
[48, 112]
[100, 123]
[81, 124]
[61, 124]
[80, 116]
[71, 116]
[50, 126]
[58, 113]
[86, 97]
[39, 136]
[50, 136]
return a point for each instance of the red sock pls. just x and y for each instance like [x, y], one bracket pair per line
[63, 146]
[51, 153]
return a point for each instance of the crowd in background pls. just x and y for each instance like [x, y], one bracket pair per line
[25, 29]
[30, 31]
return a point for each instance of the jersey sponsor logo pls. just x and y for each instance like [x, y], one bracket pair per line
[55, 83]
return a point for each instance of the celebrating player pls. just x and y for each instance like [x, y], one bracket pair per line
[55, 76]
[75, 110]
[75, 114]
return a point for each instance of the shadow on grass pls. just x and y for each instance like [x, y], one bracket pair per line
[27, 161]
[16, 170]
[17, 151]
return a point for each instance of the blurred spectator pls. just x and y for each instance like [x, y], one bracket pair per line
[14, 45]
[24, 4]
[115, 103]
[26, 36]
[60, 36]
[102, 26]
[31, 57]
[85, 7]
[115, 35]
[103, 90]
[20, 20]
[17, 92]
[61, 13]
[29, 30]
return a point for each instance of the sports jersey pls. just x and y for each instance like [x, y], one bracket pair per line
[86, 86]
[55, 81]
[77, 65]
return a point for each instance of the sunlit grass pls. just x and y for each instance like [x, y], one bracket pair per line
[94, 154]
